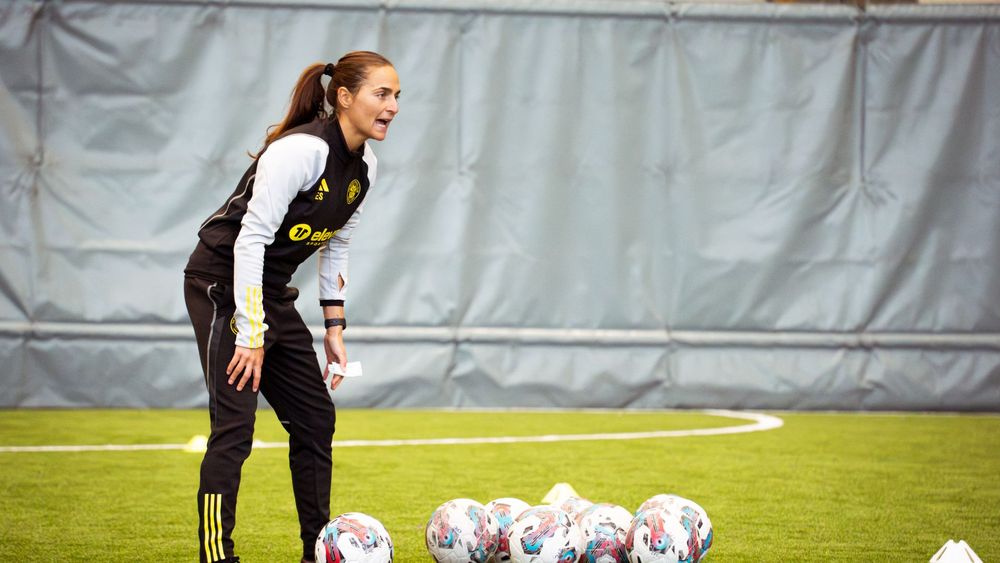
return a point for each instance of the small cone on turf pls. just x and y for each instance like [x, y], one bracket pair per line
[197, 444]
[559, 492]
[952, 552]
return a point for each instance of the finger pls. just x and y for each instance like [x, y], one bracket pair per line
[326, 372]
[235, 372]
[247, 374]
[232, 363]
[256, 378]
[335, 382]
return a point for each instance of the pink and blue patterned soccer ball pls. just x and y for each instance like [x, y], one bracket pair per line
[656, 535]
[504, 511]
[692, 516]
[544, 534]
[604, 527]
[574, 506]
[461, 531]
[354, 537]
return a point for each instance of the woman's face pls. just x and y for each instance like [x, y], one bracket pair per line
[369, 112]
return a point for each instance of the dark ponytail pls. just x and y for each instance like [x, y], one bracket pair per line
[307, 99]
[306, 103]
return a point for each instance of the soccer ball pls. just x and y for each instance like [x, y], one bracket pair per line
[695, 520]
[461, 531]
[604, 527]
[656, 535]
[693, 517]
[544, 534]
[574, 506]
[504, 511]
[353, 538]
[655, 500]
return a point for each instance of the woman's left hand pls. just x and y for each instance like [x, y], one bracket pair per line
[335, 354]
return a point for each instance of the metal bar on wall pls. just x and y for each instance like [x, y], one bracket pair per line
[541, 336]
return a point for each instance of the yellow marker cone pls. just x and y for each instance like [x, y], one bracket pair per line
[197, 444]
[559, 492]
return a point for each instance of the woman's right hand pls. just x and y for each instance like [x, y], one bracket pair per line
[248, 362]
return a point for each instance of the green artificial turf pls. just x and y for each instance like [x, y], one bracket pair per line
[825, 487]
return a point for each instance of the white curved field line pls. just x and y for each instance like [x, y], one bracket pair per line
[761, 422]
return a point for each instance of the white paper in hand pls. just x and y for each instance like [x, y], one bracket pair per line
[353, 369]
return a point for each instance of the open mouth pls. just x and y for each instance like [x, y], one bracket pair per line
[382, 123]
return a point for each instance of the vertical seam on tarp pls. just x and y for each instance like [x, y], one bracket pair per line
[39, 90]
[459, 164]
[448, 374]
[39, 157]
[670, 348]
[862, 73]
[31, 304]
[864, 23]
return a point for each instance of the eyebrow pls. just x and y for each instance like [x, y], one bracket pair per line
[387, 89]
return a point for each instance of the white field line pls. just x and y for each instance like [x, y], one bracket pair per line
[761, 422]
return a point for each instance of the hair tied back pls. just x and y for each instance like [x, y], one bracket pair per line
[328, 70]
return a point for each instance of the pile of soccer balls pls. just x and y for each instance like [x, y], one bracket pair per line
[665, 529]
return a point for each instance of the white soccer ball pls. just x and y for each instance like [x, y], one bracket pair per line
[354, 537]
[504, 511]
[574, 506]
[656, 535]
[604, 527]
[655, 500]
[461, 531]
[693, 517]
[544, 534]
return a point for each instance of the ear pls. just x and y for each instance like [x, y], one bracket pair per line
[344, 98]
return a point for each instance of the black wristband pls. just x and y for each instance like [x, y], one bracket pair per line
[335, 322]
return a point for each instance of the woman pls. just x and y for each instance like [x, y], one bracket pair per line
[303, 193]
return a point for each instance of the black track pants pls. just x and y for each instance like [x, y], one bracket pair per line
[293, 385]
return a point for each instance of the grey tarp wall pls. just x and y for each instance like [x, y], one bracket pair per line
[581, 203]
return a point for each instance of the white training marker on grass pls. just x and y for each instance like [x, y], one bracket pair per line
[952, 552]
[761, 423]
[197, 444]
[559, 492]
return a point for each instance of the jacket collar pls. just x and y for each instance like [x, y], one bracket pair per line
[338, 145]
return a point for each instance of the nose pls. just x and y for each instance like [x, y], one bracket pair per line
[393, 106]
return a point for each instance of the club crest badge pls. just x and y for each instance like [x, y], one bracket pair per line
[353, 189]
